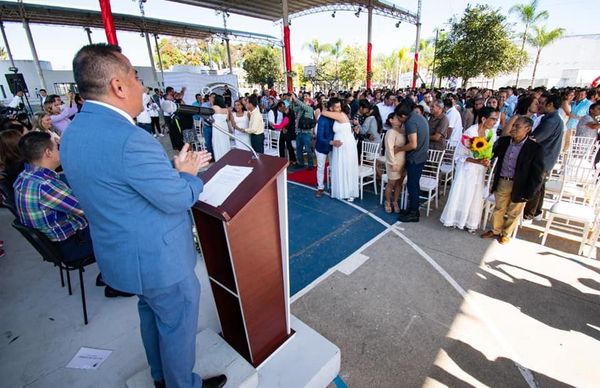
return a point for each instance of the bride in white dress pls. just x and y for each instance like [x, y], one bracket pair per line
[220, 141]
[465, 201]
[239, 121]
[344, 158]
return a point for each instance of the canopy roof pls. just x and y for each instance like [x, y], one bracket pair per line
[271, 10]
[42, 14]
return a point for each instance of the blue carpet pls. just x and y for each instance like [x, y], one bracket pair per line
[324, 231]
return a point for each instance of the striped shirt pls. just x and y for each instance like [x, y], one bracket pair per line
[46, 203]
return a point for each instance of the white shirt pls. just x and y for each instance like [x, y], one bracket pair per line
[537, 119]
[425, 106]
[454, 122]
[144, 116]
[114, 108]
[15, 101]
[271, 117]
[384, 111]
[168, 106]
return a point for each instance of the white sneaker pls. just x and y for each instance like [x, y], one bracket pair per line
[155, 135]
[539, 217]
[162, 135]
[527, 222]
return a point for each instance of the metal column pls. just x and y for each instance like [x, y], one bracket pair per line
[160, 66]
[12, 61]
[369, 44]
[286, 47]
[416, 63]
[36, 60]
[225, 15]
[109, 24]
[151, 57]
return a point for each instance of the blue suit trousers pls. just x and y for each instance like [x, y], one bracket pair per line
[169, 322]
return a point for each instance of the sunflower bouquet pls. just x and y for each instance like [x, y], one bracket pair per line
[480, 147]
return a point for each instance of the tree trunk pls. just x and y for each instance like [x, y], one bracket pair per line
[464, 84]
[522, 48]
[537, 59]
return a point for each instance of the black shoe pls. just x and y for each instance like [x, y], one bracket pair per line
[160, 384]
[110, 292]
[100, 281]
[214, 382]
[412, 216]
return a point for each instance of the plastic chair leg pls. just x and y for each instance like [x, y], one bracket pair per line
[82, 286]
[62, 278]
[547, 229]
[381, 193]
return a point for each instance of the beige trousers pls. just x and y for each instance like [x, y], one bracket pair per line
[506, 213]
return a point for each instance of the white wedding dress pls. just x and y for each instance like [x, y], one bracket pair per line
[344, 164]
[220, 141]
[465, 201]
[241, 122]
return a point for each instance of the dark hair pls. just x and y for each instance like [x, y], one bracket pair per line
[554, 100]
[405, 109]
[375, 113]
[34, 144]
[420, 107]
[52, 97]
[486, 112]
[197, 95]
[332, 101]
[9, 147]
[253, 100]
[42, 90]
[448, 102]
[94, 66]
[593, 106]
[364, 103]
[523, 105]
[169, 89]
[591, 93]
[241, 103]
[13, 124]
[389, 118]
[219, 101]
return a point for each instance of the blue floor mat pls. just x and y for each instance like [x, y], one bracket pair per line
[324, 231]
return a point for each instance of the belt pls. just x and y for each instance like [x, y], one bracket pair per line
[506, 178]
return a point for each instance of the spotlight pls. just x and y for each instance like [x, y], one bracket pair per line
[142, 34]
[333, 14]
[289, 22]
[357, 13]
[398, 24]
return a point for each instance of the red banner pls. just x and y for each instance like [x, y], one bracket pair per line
[288, 57]
[109, 24]
[369, 72]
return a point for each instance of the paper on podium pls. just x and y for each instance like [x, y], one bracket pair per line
[223, 183]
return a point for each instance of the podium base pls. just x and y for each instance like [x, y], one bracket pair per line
[307, 359]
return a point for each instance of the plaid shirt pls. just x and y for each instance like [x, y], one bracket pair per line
[47, 204]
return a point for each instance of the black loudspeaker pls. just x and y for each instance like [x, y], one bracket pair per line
[16, 83]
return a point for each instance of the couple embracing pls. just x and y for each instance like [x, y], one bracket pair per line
[336, 141]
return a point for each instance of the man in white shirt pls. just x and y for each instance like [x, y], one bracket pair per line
[454, 121]
[143, 119]
[387, 106]
[43, 95]
[17, 100]
[426, 103]
[274, 117]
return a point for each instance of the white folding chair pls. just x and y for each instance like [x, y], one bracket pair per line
[576, 209]
[489, 199]
[367, 172]
[430, 179]
[272, 147]
[447, 167]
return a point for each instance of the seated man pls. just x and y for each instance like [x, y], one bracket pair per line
[44, 202]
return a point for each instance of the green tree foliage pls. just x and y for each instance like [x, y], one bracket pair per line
[477, 44]
[540, 39]
[262, 64]
[176, 51]
[353, 67]
[528, 15]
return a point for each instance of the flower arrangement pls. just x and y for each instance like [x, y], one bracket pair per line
[480, 147]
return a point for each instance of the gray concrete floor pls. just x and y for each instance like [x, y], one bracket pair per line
[398, 321]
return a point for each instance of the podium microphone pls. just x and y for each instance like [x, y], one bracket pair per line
[206, 112]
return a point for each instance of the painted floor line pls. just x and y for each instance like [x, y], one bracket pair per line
[396, 229]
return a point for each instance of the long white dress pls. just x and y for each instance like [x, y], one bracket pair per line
[220, 141]
[465, 201]
[344, 163]
[241, 122]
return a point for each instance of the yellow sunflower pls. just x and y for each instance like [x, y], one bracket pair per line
[479, 144]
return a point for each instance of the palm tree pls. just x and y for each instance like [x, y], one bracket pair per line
[529, 15]
[317, 49]
[540, 39]
[403, 58]
[336, 50]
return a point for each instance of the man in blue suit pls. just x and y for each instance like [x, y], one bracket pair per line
[324, 144]
[138, 206]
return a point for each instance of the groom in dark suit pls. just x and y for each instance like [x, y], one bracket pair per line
[518, 176]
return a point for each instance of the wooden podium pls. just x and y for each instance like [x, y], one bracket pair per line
[244, 242]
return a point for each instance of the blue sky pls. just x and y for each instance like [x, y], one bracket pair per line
[59, 44]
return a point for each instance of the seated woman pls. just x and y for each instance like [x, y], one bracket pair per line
[11, 159]
[394, 162]
[43, 123]
[465, 201]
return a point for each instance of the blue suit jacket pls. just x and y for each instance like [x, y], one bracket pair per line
[137, 204]
[324, 135]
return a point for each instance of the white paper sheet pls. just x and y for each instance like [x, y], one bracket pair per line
[89, 358]
[223, 183]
